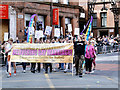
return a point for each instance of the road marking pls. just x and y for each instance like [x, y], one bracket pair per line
[111, 79]
[49, 82]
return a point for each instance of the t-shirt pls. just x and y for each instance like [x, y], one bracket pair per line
[79, 48]
[8, 47]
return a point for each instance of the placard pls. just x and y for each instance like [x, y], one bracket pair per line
[48, 30]
[62, 30]
[57, 32]
[5, 36]
[69, 27]
[31, 30]
[77, 31]
[38, 34]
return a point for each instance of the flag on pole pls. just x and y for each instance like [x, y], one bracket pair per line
[88, 35]
[89, 29]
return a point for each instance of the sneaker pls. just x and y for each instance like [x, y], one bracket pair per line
[54, 70]
[9, 75]
[80, 75]
[24, 71]
[14, 74]
[91, 72]
[76, 74]
[65, 71]
[86, 72]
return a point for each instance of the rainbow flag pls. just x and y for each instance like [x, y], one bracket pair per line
[29, 37]
[89, 29]
[88, 35]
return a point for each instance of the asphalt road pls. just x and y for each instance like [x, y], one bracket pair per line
[105, 76]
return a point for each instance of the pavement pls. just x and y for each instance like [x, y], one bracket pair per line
[105, 76]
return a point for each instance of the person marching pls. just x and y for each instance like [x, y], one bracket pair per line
[48, 64]
[79, 47]
[89, 57]
[8, 51]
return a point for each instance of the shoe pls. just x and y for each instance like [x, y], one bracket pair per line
[80, 75]
[94, 69]
[24, 71]
[76, 74]
[59, 68]
[86, 72]
[38, 71]
[33, 71]
[91, 72]
[9, 75]
[14, 74]
[65, 71]
[46, 72]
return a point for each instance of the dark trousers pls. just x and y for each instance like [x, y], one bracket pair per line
[46, 67]
[39, 67]
[33, 66]
[79, 59]
[88, 64]
[24, 66]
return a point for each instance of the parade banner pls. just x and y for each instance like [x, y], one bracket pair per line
[44, 53]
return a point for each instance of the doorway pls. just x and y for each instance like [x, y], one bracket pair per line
[104, 33]
[4, 28]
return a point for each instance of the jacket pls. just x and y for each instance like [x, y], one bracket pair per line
[89, 52]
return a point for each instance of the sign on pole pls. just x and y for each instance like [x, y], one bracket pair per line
[56, 16]
[77, 31]
[69, 27]
[3, 11]
[48, 30]
[57, 32]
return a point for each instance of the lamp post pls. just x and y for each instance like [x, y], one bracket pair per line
[116, 17]
[51, 4]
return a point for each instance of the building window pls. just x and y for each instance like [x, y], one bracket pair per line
[55, 1]
[104, 19]
[65, 1]
[95, 20]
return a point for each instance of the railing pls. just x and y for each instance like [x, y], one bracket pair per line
[107, 49]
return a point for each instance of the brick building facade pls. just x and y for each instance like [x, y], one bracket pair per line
[103, 22]
[68, 13]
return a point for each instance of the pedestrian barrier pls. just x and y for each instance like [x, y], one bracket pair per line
[107, 49]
